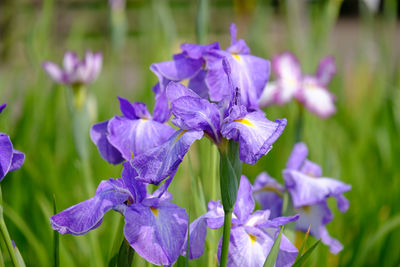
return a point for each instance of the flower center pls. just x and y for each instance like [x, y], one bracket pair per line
[237, 57]
[245, 121]
[253, 238]
[154, 211]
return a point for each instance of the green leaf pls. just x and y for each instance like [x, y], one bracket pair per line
[125, 255]
[273, 253]
[118, 239]
[303, 259]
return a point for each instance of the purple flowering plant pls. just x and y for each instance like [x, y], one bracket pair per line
[309, 192]
[310, 90]
[204, 91]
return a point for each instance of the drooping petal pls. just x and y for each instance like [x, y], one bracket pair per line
[156, 233]
[297, 156]
[268, 192]
[88, 215]
[193, 113]
[18, 159]
[127, 108]
[175, 91]
[156, 164]
[313, 216]
[215, 215]
[133, 137]
[54, 72]
[334, 245]
[255, 134]
[244, 205]
[316, 98]
[6, 154]
[197, 237]
[326, 69]
[307, 190]
[98, 134]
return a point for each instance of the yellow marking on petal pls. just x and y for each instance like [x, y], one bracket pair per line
[237, 57]
[307, 209]
[144, 119]
[185, 82]
[245, 121]
[154, 211]
[253, 238]
[132, 155]
[180, 135]
[268, 188]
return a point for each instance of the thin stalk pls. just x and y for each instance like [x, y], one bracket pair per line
[202, 21]
[7, 239]
[56, 243]
[225, 238]
[214, 164]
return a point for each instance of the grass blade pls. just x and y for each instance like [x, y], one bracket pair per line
[273, 253]
[303, 259]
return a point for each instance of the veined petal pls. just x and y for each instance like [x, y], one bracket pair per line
[193, 113]
[197, 51]
[161, 112]
[244, 205]
[136, 188]
[133, 137]
[156, 233]
[306, 190]
[198, 84]
[215, 215]
[255, 134]
[268, 192]
[156, 164]
[182, 67]
[175, 91]
[197, 237]
[6, 154]
[88, 215]
[98, 134]
[127, 108]
[326, 69]
[313, 216]
[316, 98]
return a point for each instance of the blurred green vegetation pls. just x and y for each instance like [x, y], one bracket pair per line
[359, 145]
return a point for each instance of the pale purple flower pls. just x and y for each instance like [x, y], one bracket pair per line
[269, 193]
[75, 71]
[154, 227]
[252, 234]
[310, 90]
[309, 192]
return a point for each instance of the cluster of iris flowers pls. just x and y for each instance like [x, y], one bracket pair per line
[222, 101]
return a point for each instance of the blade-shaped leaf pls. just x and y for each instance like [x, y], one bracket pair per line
[273, 253]
[303, 259]
[303, 244]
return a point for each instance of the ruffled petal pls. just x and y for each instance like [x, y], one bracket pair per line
[98, 134]
[306, 190]
[133, 137]
[156, 233]
[215, 215]
[255, 134]
[158, 163]
[88, 215]
[18, 159]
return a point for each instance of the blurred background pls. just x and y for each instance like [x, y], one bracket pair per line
[359, 145]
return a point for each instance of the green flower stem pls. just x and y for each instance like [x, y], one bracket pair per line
[202, 21]
[7, 240]
[230, 171]
[299, 124]
[225, 238]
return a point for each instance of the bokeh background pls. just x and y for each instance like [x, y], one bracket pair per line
[359, 145]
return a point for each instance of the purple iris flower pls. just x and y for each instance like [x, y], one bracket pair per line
[75, 71]
[252, 234]
[310, 90]
[10, 158]
[195, 116]
[123, 137]
[154, 227]
[309, 192]
[202, 66]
